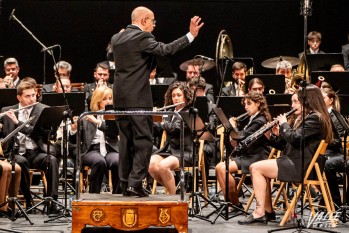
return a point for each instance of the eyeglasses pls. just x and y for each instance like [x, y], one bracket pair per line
[152, 20]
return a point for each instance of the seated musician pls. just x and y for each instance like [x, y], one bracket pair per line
[286, 136]
[100, 150]
[5, 182]
[256, 107]
[285, 68]
[334, 151]
[256, 85]
[30, 149]
[166, 159]
[239, 75]
[63, 70]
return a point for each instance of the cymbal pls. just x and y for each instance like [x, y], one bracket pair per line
[271, 62]
[204, 64]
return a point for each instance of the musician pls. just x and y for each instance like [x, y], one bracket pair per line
[193, 72]
[99, 147]
[285, 68]
[256, 85]
[239, 75]
[5, 184]
[317, 125]
[134, 50]
[345, 52]
[3, 84]
[11, 71]
[166, 159]
[256, 107]
[30, 149]
[334, 151]
[101, 77]
[337, 68]
[63, 70]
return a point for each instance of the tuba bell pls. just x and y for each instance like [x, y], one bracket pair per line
[296, 81]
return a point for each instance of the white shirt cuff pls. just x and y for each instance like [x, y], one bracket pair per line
[190, 37]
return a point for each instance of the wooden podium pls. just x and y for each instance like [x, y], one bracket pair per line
[129, 213]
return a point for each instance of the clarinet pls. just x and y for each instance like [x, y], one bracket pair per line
[259, 133]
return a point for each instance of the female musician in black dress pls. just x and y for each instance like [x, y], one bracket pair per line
[100, 150]
[257, 109]
[317, 126]
[166, 159]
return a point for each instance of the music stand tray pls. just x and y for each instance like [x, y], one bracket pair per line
[158, 91]
[338, 80]
[274, 82]
[76, 100]
[324, 61]
[231, 105]
[200, 126]
[8, 97]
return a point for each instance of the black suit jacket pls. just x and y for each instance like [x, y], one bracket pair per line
[135, 50]
[229, 90]
[345, 52]
[289, 164]
[9, 126]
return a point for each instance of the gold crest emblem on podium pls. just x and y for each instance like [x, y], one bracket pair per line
[97, 215]
[164, 215]
[129, 217]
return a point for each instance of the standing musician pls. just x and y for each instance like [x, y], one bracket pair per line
[134, 50]
[257, 109]
[166, 159]
[30, 150]
[100, 150]
[317, 126]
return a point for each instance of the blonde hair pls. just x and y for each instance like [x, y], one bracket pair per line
[98, 95]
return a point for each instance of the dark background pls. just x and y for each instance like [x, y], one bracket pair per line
[258, 28]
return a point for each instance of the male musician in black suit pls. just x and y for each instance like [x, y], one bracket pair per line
[11, 71]
[345, 52]
[101, 77]
[63, 69]
[30, 150]
[134, 50]
[239, 75]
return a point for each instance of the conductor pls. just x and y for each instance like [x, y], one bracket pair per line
[134, 50]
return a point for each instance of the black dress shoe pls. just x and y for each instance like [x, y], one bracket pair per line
[137, 192]
[252, 220]
[270, 216]
[54, 209]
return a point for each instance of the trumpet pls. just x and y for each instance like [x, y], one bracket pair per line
[259, 133]
[19, 109]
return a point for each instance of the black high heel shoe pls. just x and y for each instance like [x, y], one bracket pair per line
[252, 220]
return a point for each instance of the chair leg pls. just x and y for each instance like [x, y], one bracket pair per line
[292, 205]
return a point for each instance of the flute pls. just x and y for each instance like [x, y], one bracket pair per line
[19, 109]
[170, 106]
[241, 116]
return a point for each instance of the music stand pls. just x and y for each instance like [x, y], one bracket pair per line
[46, 125]
[158, 92]
[274, 82]
[344, 107]
[201, 104]
[76, 101]
[323, 61]
[338, 80]
[231, 105]
[8, 97]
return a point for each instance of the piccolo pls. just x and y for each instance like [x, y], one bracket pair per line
[170, 106]
[19, 109]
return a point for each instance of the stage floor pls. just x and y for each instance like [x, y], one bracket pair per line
[196, 225]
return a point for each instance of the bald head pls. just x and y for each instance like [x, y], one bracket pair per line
[143, 18]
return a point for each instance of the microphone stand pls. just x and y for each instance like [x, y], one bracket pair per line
[44, 48]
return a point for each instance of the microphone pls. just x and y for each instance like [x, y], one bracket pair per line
[232, 61]
[49, 48]
[205, 58]
[11, 15]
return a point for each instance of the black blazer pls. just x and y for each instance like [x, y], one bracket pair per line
[172, 144]
[289, 164]
[9, 126]
[258, 150]
[229, 90]
[345, 52]
[135, 50]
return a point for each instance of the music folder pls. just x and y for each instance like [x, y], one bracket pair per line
[323, 61]
[201, 130]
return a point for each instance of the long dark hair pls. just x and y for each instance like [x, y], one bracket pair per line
[188, 96]
[258, 98]
[314, 102]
